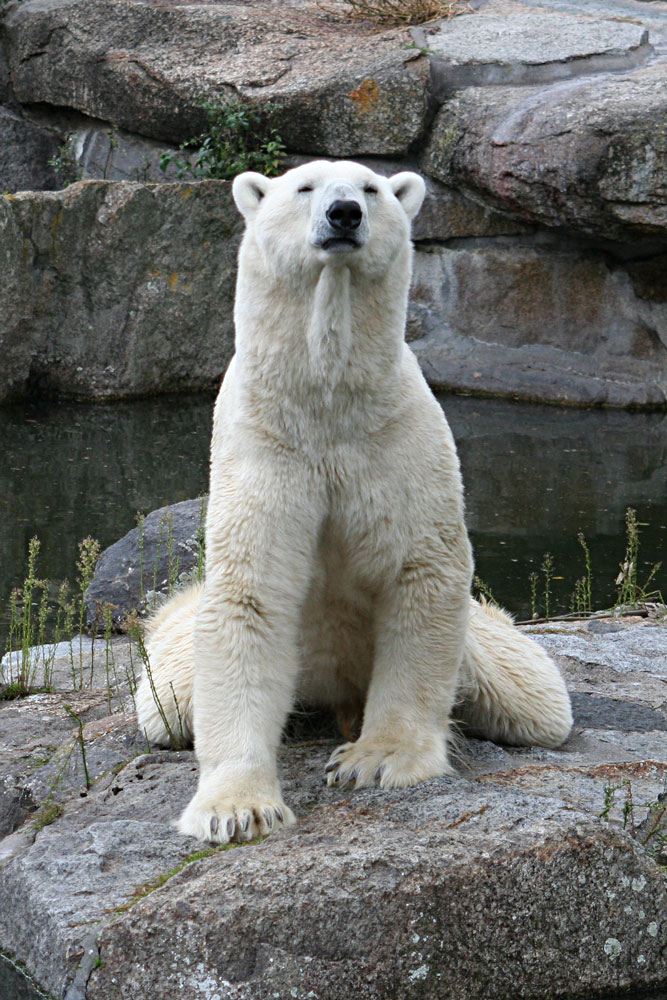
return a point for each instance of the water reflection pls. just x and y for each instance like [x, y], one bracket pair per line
[537, 475]
[534, 477]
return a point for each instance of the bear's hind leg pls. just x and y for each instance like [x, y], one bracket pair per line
[511, 691]
[164, 694]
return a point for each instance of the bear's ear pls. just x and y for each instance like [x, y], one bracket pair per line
[248, 190]
[410, 189]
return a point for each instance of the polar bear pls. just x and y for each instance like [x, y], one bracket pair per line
[338, 565]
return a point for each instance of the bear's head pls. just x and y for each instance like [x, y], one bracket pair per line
[321, 213]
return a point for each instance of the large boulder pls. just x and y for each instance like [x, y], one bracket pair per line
[543, 321]
[144, 565]
[532, 873]
[586, 155]
[117, 289]
[337, 88]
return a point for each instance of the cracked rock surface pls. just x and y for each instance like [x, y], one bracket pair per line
[531, 873]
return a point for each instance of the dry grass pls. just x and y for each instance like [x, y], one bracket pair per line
[396, 13]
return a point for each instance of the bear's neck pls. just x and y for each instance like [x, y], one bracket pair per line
[325, 327]
[329, 330]
[320, 353]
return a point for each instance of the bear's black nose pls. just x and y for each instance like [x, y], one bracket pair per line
[344, 215]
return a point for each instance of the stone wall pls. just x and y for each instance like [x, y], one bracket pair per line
[541, 265]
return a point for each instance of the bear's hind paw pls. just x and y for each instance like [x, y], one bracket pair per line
[371, 762]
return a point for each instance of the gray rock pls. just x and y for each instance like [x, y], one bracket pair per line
[380, 894]
[5, 91]
[79, 662]
[628, 648]
[343, 88]
[120, 309]
[447, 213]
[25, 151]
[439, 870]
[150, 558]
[497, 308]
[117, 289]
[528, 48]
[115, 155]
[537, 319]
[41, 763]
[587, 154]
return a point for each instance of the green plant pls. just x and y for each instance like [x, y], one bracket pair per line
[629, 589]
[147, 888]
[141, 520]
[37, 625]
[80, 740]
[48, 813]
[651, 831]
[547, 569]
[533, 580]
[64, 164]
[27, 630]
[480, 589]
[400, 12]
[201, 542]
[173, 562]
[236, 140]
[177, 740]
[581, 601]
[89, 553]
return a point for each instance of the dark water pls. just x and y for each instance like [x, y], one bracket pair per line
[535, 476]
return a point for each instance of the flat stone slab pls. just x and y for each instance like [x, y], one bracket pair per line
[42, 764]
[649, 12]
[77, 663]
[531, 48]
[626, 646]
[374, 894]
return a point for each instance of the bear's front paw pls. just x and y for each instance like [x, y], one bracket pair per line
[225, 818]
[388, 764]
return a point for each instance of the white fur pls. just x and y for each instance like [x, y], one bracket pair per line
[338, 565]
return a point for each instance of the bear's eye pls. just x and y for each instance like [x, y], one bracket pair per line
[305, 188]
[369, 189]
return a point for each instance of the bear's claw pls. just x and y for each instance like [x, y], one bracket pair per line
[372, 762]
[224, 822]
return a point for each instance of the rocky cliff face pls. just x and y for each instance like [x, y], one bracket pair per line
[541, 265]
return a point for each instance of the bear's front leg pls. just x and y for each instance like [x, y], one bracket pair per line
[421, 624]
[260, 544]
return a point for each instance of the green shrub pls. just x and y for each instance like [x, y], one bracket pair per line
[235, 141]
